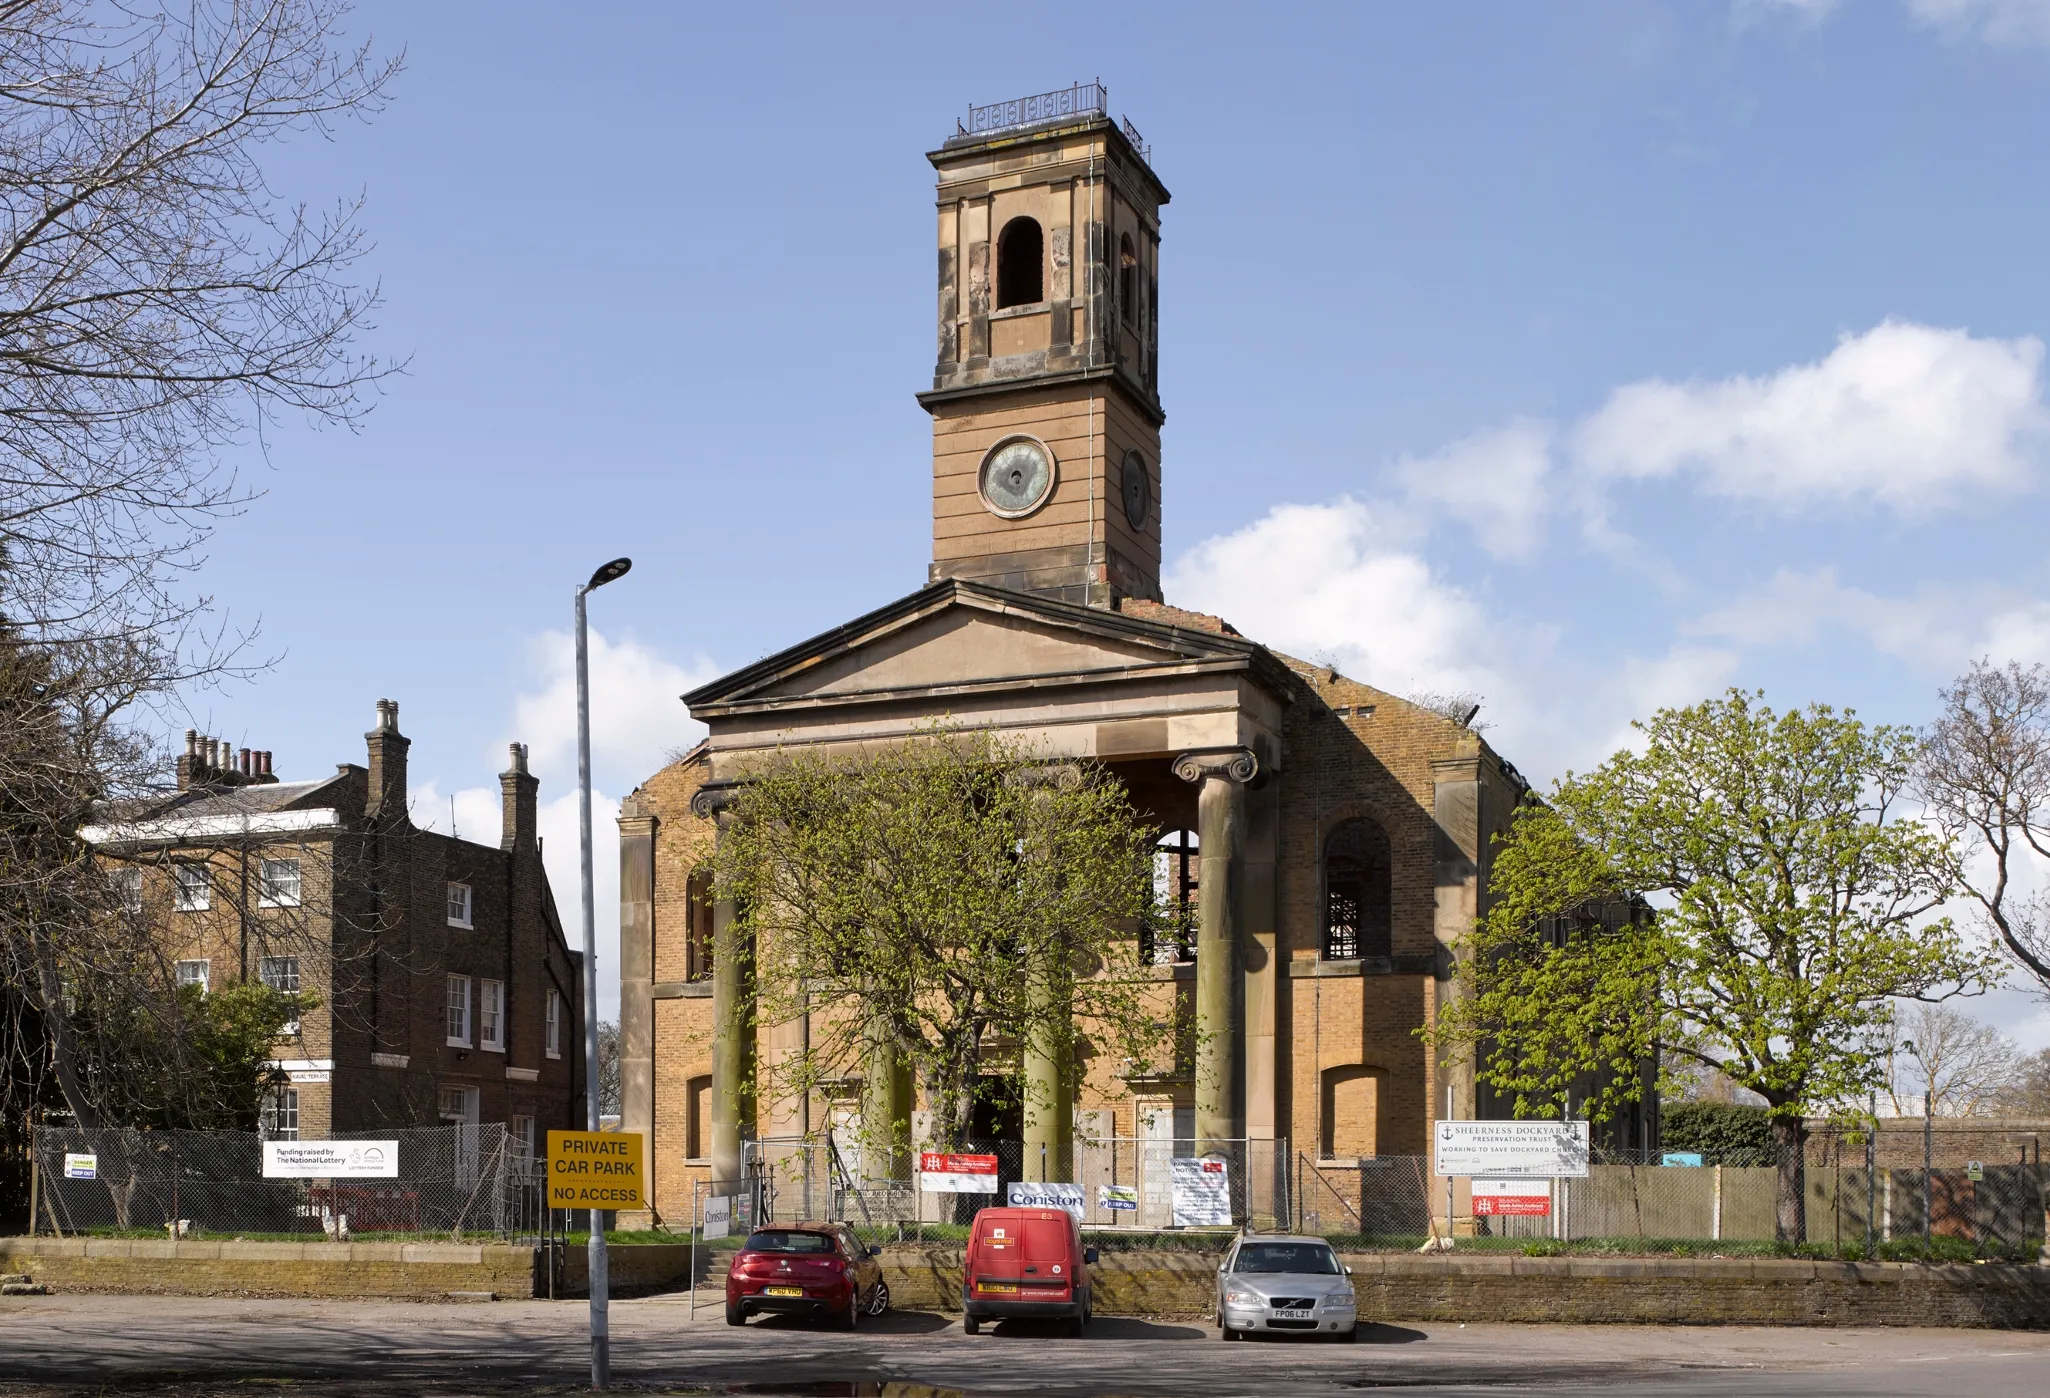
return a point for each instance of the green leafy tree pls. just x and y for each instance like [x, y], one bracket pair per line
[1783, 903]
[948, 900]
[203, 1061]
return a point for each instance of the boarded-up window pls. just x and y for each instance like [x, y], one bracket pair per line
[1358, 892]
[697, 1142]
[697, 941]
[1350, 1124]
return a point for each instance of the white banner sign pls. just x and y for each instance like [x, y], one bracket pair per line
[1512, 1198]
[718, 1216]
[330, 1160]
[1023, 1195]
[1202, 1194]
[1510, 1149]
[941, 1173]
[81, 1167]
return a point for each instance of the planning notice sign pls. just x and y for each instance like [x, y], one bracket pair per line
[330, 1160]
[1510, 1149]
[596, 1170]
[1201, 1195]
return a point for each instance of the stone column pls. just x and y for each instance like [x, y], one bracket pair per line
[886, 1114]
[1456, 807]
[637, 985]
[1220, 775]
[732, 1015]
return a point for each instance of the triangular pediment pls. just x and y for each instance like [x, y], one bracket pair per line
[957, 636]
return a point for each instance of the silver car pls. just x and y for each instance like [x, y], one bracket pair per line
[1286, 1285]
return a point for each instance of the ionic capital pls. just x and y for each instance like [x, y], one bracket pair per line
[714, 799]
[1233, 764]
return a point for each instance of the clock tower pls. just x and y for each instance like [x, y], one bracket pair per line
[1045, 401]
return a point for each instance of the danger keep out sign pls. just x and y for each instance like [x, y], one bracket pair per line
[596, 1170]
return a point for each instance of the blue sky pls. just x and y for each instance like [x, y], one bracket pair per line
[1589, 356]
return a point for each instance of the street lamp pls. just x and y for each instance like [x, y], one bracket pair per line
[601, 1341]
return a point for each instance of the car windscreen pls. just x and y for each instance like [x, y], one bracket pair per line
[1312, 1258]
[789, 1240]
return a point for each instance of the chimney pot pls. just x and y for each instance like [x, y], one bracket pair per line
[192, 742]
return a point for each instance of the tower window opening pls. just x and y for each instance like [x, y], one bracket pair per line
[1358, 893]
[1021, 264]
[1128, 280]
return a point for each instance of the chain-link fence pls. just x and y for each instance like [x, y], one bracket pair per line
[1632, 1198]
[1126, 1183]
[451, 1181]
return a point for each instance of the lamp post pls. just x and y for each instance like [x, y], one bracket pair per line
[601, 1339]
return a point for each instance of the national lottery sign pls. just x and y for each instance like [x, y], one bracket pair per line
[330, 1160]
[1512, 1198]
[942, 1173]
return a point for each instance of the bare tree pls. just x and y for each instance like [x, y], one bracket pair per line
[159, 304]
[1946, 1063]
[1985, 773]
[2028, 1092]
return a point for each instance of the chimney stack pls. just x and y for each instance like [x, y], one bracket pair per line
[189, 765]
[387, 764]
[518, 819]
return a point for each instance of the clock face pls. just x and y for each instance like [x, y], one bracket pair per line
[1017, 477]
[1138, 488]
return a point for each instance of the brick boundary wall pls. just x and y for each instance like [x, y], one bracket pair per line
[1572, 1290]
[1392, 1287]
[193, 1268]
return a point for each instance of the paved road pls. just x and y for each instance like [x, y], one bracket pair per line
[66, 1344]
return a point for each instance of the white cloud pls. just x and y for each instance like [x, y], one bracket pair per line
[637, 719]
[1936, 630]
[1493, 482]
[1910, 416]
[2001, 23]
[1320, 581]
[1328, 583]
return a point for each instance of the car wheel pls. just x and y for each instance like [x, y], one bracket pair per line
[1227, 1333]
[852, 1318]
[1350, 1337]
[880, 1302]
[970, 1325]
[1075, 1327]
[735, 1316]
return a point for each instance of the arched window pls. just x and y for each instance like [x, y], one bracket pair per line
[697, 926]
[1021, 264]
[1128, 280]
[1176, 866]
[1357, 892]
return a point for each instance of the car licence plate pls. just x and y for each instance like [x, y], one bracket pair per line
[782, 1291]
[1295, 1315]
[997, 1288]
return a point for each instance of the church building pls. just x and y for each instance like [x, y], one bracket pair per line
[1330, 839]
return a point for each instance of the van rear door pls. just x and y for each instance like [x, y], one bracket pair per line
[999, 1248]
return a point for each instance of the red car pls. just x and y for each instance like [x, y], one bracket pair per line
[818, 1269]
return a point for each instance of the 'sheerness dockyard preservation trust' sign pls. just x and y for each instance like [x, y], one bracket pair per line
[596, 1170]
[1510, 1149]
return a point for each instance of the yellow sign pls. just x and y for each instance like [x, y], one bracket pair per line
[596, 1170]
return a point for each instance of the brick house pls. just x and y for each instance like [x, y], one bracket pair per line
[447, 992]
[1329, 840]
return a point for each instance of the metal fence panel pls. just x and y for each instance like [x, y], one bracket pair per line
[452, 1181]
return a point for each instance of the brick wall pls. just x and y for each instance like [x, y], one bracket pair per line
[421, 1270]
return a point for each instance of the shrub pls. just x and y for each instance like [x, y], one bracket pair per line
[1724, 1132]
